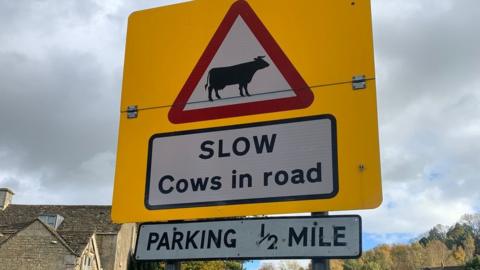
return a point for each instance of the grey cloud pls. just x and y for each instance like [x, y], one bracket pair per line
[429, 53]
[53, 109]
[60, 83]
[59, 107]
[427, 70]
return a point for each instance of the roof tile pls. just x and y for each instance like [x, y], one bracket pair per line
[79, 224]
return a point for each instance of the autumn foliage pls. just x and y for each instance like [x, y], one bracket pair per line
[441, 246]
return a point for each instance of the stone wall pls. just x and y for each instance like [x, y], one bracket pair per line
[35, 248]
[125, 245]
[3, 196]
[106, 243]
[115, 249]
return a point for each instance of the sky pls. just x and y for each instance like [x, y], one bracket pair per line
[61, 67]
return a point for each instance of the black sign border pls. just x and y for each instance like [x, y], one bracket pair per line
[360, 240]
[247, 201]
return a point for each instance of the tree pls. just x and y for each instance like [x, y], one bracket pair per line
[212, 265]
[469, 247]
[267, 266]
[435, 254]
[473, 264]
[402, 257]
[362, 265]
[381, 255]
[334, 265]
[234, 265]
[284, 265]
[473, 221]
[140, 265]
[423, 241]
[440, 246]
[351, 264]
[418, 256]
[457, 235]
[290, 265]
[436, 233]
[459, 255]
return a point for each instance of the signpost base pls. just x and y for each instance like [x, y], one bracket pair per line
[320, 264]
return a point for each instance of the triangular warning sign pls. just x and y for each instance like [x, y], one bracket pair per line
[242, 71]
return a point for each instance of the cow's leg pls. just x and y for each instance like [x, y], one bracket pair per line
[216, 93]
[246, 89]
[210, 89]
[240, 87]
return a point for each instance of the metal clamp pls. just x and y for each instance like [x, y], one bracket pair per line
[358, 82]
[132, 111]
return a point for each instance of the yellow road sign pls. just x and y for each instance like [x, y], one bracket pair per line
[234, 108]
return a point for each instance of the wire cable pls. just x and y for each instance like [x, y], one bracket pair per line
[313, 87]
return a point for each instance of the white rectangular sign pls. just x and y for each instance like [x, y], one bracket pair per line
[257, 238]
[293, 159]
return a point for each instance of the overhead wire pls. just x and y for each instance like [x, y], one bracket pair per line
[313, 87]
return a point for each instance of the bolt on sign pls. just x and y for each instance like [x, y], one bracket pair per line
[254, 238]
[247, 107]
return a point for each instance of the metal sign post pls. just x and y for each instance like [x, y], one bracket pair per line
[320, 264]
[173, 265]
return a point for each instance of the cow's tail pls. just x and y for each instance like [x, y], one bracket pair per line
[208, 79]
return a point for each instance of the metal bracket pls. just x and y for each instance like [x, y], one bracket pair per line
[358, 82]
[132, 111]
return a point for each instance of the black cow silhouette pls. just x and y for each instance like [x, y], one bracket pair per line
[240, 74]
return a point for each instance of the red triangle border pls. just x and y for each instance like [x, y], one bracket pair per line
[304, 95]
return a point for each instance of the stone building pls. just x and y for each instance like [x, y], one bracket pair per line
[76, 237]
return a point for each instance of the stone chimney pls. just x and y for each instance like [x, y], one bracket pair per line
[5, 197]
